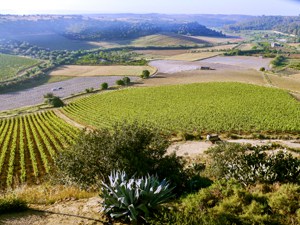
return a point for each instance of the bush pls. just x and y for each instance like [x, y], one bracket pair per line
[250, 165]
[126, 80]
[53, 100]
[12, 204]
[120, 82]
[89, 90]
[104, 86]
[145, 74]
[134, 148]
[135, 198]
[262, 69]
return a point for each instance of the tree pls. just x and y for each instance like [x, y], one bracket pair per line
[104, 86]
[145, 74]
[126, 80]
[53, 100]
[120, 82]
[134, 148]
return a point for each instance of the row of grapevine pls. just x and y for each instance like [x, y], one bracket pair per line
[29, 143]
[206, 107]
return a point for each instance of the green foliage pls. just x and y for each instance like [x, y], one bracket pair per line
[251, 164]
[11, 205]
[89, 90]
[134, 148]
[120, 82]
[126, 80]
[145, 74]
[211, 107]
[104, 86]
[228, 202]
[135, 198]
[262, 69]
[53, 100]
[279, 61]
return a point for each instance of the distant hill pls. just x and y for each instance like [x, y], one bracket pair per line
[285, 24]
[99, 27]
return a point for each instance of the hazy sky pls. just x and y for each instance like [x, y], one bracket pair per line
[249, 7]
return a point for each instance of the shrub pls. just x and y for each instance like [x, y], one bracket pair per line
[104, 86]
[134, 148]
[126, 80]
[120, 82]
[262, 69]
[53, 100]
[134, 198]
[145, 74]
[89, 90]
[12, 204]
[249, 164]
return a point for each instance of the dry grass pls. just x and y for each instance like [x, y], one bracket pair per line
[216, 48]
[194, 56]
[199, 76]
[290, 83]
[49, 194]
[245, 47]
[87, 71]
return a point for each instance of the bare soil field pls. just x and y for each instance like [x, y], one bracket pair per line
[216, 40]
[34, 95]
[199, 76]
[241, 61]
[194, 56]
[88, 71]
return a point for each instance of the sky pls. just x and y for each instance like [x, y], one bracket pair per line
[247, 7]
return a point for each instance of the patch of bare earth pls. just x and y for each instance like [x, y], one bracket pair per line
[75, 212]
[194, 148]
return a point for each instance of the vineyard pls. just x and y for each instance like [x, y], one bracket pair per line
[28, 144]
[206, 107]
[11, 65]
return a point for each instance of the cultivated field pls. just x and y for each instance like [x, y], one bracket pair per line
[88, 71]
[28, 145]
[219, 40]
[209, 107]
[11, 65]
[290, 83]
[194, 56]
[34, 95]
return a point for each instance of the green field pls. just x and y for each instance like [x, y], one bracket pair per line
[10, 65]
[206, 107]
[28, 145]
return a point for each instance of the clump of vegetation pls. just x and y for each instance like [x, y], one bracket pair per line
[227, 202]
[262, 69]
[279, 61]
[249, 165]
[104, 86]
[134, 198]
[12, 204]
[53, 100]
[145, 74]
[136, 149]
[126, 80]
[89, 90]
[120, 82]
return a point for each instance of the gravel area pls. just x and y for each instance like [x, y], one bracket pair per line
[34, 95]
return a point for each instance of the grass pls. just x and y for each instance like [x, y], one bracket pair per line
[206, 107]
[12, 204]
[115, 70]
[11, 65]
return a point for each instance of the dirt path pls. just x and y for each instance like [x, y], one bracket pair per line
[70, 121]
[193, 148]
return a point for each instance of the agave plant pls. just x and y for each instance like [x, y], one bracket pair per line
[134, 198]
